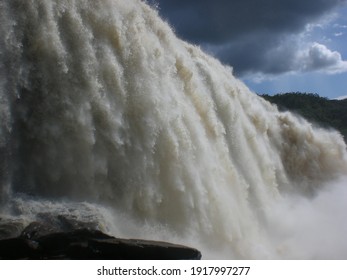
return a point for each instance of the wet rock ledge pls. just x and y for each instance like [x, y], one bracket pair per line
[37, 243]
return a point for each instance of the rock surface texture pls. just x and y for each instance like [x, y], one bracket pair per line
[38, 242]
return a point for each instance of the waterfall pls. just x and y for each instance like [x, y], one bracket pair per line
[107, 116]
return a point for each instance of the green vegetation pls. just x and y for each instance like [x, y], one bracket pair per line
[316, 109]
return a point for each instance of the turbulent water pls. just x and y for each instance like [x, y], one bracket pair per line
[110, 119]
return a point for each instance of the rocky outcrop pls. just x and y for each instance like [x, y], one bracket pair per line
[39, 242]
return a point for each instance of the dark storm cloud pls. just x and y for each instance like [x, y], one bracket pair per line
[219, 20]
[250, 35]
[262, 52]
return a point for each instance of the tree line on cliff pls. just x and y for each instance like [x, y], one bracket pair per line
[316, 109]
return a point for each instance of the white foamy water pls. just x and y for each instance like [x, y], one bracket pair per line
[107, 116]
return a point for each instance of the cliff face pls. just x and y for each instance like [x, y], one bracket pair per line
[38, 241]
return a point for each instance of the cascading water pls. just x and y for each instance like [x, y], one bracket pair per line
[108, 117]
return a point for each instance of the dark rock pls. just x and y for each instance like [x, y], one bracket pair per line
[18, 248]
[38, 241]
[36, 230]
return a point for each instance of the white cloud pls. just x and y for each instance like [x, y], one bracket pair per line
[317, 57]
[297, 58]
[336, 25]
[341, 97]
[338, 34]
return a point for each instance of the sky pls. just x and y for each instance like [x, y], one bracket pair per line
[274, 46]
